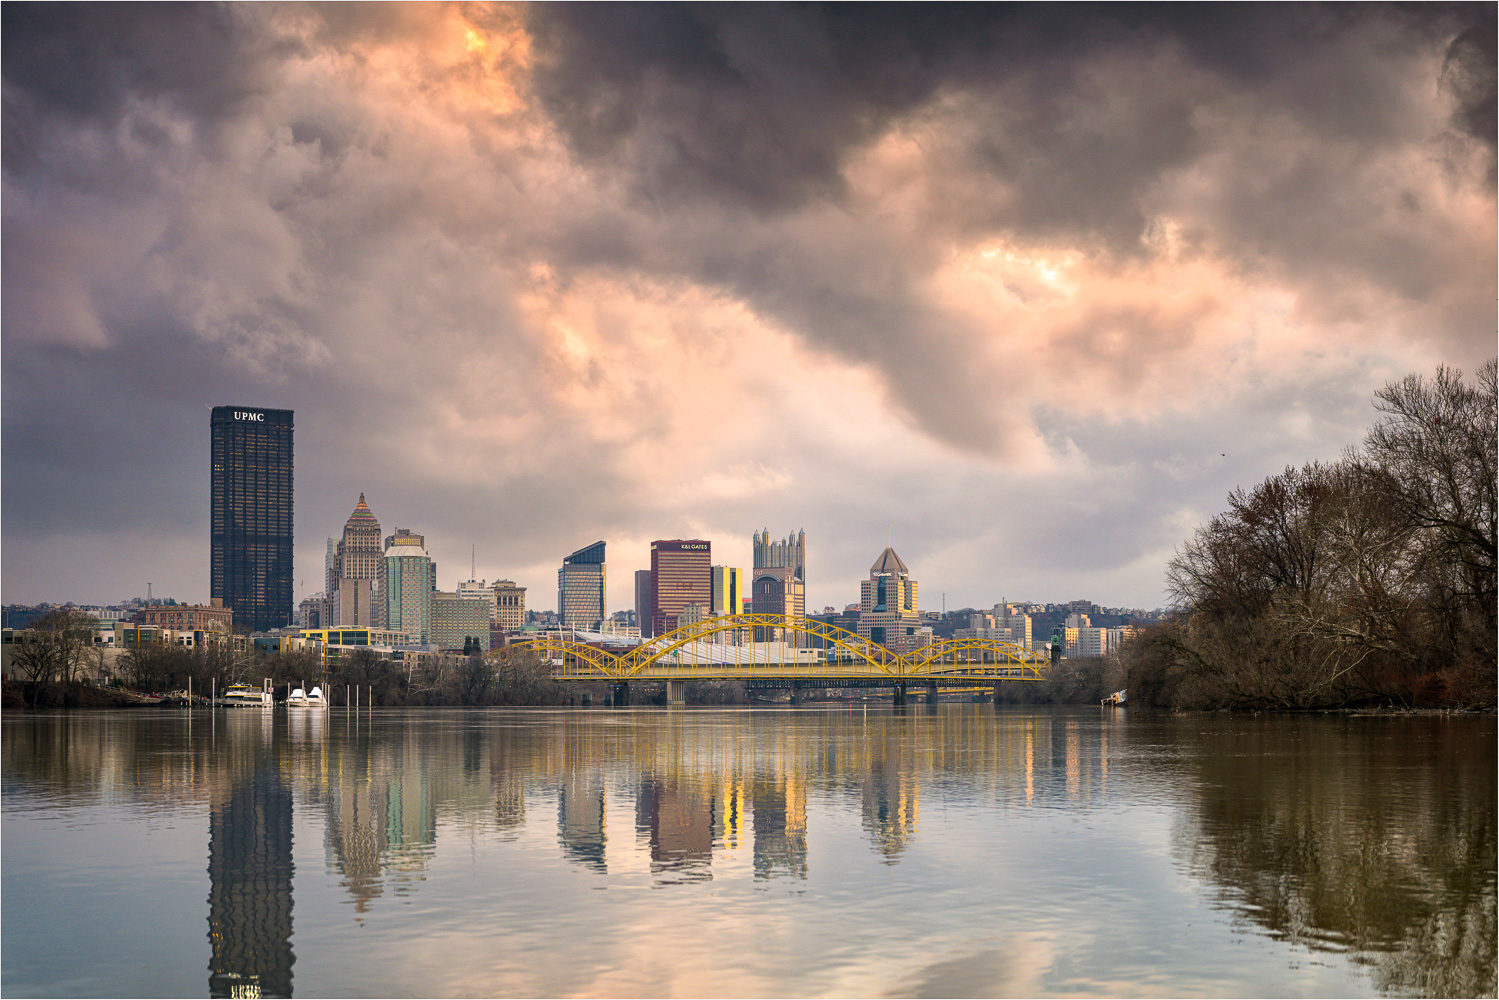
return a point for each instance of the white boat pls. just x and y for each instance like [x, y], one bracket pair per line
[244, 696]
[306, 699]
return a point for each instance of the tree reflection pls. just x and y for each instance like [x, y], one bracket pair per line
[1381, 845]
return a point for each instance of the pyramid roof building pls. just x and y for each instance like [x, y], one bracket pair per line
[888, 564]
[362, 513]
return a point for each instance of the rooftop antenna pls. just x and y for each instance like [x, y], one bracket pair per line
[472, 560]
[148, 591]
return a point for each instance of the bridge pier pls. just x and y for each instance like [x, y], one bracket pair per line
[900, 695]
[931, 692]
[796, 692]
[676, 692]
[621, 694]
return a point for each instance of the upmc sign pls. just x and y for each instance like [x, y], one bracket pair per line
[248, 416]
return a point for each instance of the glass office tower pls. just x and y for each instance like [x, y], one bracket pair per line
[581, 588]
[250, 563]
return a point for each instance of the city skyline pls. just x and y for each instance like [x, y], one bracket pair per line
[1023, 293]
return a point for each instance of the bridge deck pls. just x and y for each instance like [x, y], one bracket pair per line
[794, 671]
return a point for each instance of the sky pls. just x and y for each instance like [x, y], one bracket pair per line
[1023, 292]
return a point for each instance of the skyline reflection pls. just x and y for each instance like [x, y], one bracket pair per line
[1370, 838]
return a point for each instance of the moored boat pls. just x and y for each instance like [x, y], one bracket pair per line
[244, 696]
[300, 698]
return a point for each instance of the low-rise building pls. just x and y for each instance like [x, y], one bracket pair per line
[356, 637]
[212, 616]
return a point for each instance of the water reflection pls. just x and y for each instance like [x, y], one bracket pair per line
[1372, 838]
[1362, 835]
[581, 812]
[250, 863]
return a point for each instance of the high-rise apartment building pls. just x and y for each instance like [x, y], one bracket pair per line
[888, 613]
[728, 591]
[407, 586]
[250, 514]
[355, 572]
[789, 554]
[582, 588]
[681, 574]
[643, 602]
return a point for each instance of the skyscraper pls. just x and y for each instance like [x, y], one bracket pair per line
[777, 591]
[250, 514]
[643, 602]
[581, 588]
[789, 554]
[728, 591]
[681, 574]
[888, 612]
[408, 585]
[354, 576]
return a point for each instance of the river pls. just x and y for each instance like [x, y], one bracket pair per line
[854, 851]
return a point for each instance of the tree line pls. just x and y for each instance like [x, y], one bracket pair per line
[510, 676]
[58, 651]
[1369, 580]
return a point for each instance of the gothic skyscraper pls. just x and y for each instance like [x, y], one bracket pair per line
[788, 554]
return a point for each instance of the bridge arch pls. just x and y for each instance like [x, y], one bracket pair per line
[852, 656]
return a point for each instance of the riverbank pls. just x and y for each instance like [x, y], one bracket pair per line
[16, 694]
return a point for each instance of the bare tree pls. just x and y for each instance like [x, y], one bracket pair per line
[521, 678]
[1434, 456]
[1370, 578]
[472, 680]
[56, 646]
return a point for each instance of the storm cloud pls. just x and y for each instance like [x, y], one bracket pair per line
[1028, 288]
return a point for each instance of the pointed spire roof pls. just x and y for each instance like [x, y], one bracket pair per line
[362, 512]
[888, 562]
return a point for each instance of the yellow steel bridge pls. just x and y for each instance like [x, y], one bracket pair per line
[751, 647]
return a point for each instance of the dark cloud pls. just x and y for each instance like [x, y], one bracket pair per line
[733, 292]
[88, 61]
[1468, 74]
[762, 104]
[1267, 131]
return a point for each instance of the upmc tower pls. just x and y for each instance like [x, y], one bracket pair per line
[251, 517]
